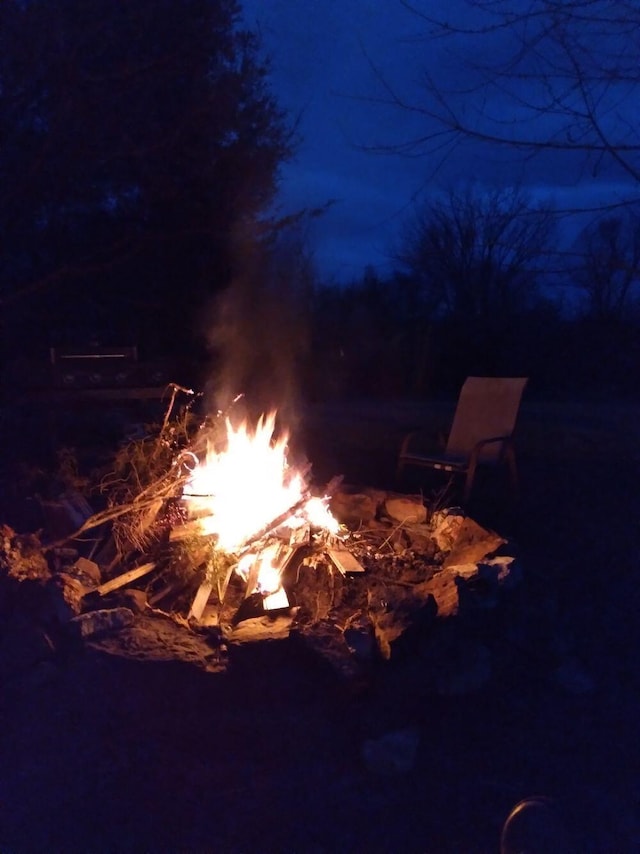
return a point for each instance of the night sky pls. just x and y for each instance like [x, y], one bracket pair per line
[321, 54]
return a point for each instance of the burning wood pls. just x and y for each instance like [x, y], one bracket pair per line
[233, 502]
[274, 524]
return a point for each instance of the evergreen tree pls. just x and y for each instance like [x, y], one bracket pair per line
[137, 140]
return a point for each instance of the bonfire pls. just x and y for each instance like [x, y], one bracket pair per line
[220, 532]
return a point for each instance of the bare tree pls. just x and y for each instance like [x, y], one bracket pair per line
[476, 255]
[476, 258]
[609, 273]
[551, 79]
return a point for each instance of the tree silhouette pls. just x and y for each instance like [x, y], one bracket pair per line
[609, 271]
[553, 82]
[477, 258]
[138, 139]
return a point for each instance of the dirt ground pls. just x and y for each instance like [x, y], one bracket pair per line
[100, 754]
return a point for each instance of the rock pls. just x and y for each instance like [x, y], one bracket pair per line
[87, 571]
[472, 543]
[153, 637]
[103, 621]
[62, 557]
[134, 599]
[446, 525]
[357, 508]
[360, 638]
[328, 643]
[392, 753]
[507, 570]
[401, 610]
[406, 509]
[483, 581]
[21, 556]
[421, 540]
[67, 593]
[444, 589]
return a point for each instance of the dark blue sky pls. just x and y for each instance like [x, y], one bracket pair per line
[321, 70]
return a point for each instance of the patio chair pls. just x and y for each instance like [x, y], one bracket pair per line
[481, 432]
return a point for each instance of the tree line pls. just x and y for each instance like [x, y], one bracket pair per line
[483, 284]
[140, 149]
[486, 281]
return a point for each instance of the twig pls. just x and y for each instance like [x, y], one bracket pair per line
[398, 527]
[175, 388]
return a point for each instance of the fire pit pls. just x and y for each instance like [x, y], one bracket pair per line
[232, 544]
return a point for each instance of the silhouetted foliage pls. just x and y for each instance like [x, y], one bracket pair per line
[555, 79]
[609, 267]
[138, 140]
[477, 258]
[544, 92]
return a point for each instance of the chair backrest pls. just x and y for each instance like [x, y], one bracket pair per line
[487, 407]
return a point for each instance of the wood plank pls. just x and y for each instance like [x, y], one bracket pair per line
[200, 600]
[125, 578]
[276, 601]
[344, 561]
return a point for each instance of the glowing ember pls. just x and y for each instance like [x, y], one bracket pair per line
[242, 489]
